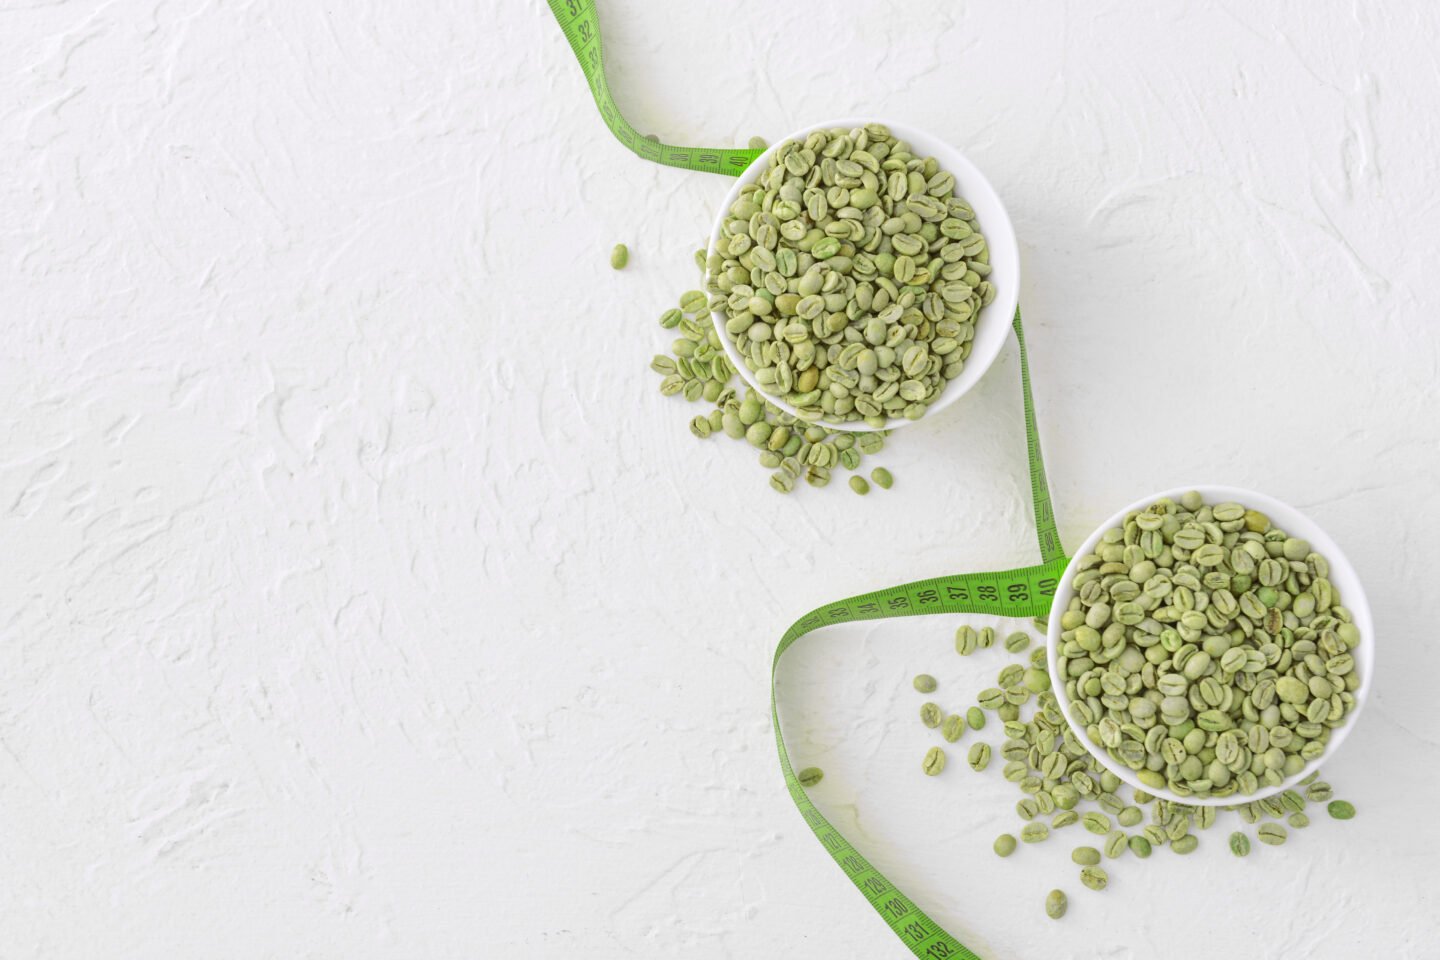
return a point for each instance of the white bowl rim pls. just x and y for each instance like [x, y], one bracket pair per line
[1294, 522]
[999, 234]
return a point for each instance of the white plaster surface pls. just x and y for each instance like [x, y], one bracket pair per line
[361, 597]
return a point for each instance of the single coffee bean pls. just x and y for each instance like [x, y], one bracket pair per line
[1341, 809]
[619, 257]
[979, 756]
[1272, 833]
[952, 728]
[991, 699]
[1239, 844]
[934, 761]
[1115, 844]
[1185, 844]
[882, 478]
[931, 715]
[924, 683]
[1085, 856]
[1094, 877]
[1139, 846]
[810, 776]
[1034, 832]
[1056, 904]
[1004, 845]
[1017, 641]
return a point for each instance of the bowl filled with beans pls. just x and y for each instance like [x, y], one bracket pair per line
[1211, 645]
[862, 274]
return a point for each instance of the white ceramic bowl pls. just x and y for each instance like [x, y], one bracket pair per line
[1342, 576]
[993, 324]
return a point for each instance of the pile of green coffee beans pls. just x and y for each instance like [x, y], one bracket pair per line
[695, 368]
[851, 277]
[1207, 650]
[1064, 785]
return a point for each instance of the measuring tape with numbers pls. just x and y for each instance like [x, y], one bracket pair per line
[1023, 592]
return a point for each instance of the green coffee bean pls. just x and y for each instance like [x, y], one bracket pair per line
[1341, 809]
[979, 756]
[810, 776]
[1056, 904]
[986, 638]
[1139, 846]
[1185, 844]
[1239, 844]
[934, 761]
[1272, 833]
[1064, 819]
[859, 485]
[1096, 823]
[991, 698]
[966, 641]
[882, 478]
[975, 718]
[1115, 844]
[1017, 641]
[1094, 877]
[924, 683]
[953, 727]
[1085, 856]
[1034, 832]
[693, 302]
[758, 143]
[931, 715]
[1298, 821]
[619, 257]
[1004, 845]
[700, 426]
[1037, 680]
[1130, 817]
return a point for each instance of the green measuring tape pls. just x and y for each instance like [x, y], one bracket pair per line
[582, 28]
[1023, 592]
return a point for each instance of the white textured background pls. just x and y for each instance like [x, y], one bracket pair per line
[361, 597]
